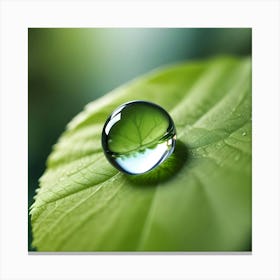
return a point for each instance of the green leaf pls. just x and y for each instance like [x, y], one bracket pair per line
[199, 200]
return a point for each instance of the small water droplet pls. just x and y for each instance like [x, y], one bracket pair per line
[219, 145]
[244, 133]
[138, 136]
[237, 157]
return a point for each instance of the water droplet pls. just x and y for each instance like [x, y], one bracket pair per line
[237, 157]
[219, 144]
[138, 136]
[244, 133]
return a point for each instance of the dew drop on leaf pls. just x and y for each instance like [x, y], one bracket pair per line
[138, 136]
[237, 157]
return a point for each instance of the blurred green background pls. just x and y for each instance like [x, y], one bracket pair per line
[68, 68]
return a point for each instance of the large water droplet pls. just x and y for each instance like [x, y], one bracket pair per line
[138, 136]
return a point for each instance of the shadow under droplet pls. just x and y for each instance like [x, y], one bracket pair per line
[165, 171]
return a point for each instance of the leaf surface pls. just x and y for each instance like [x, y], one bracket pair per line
[201, 204]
